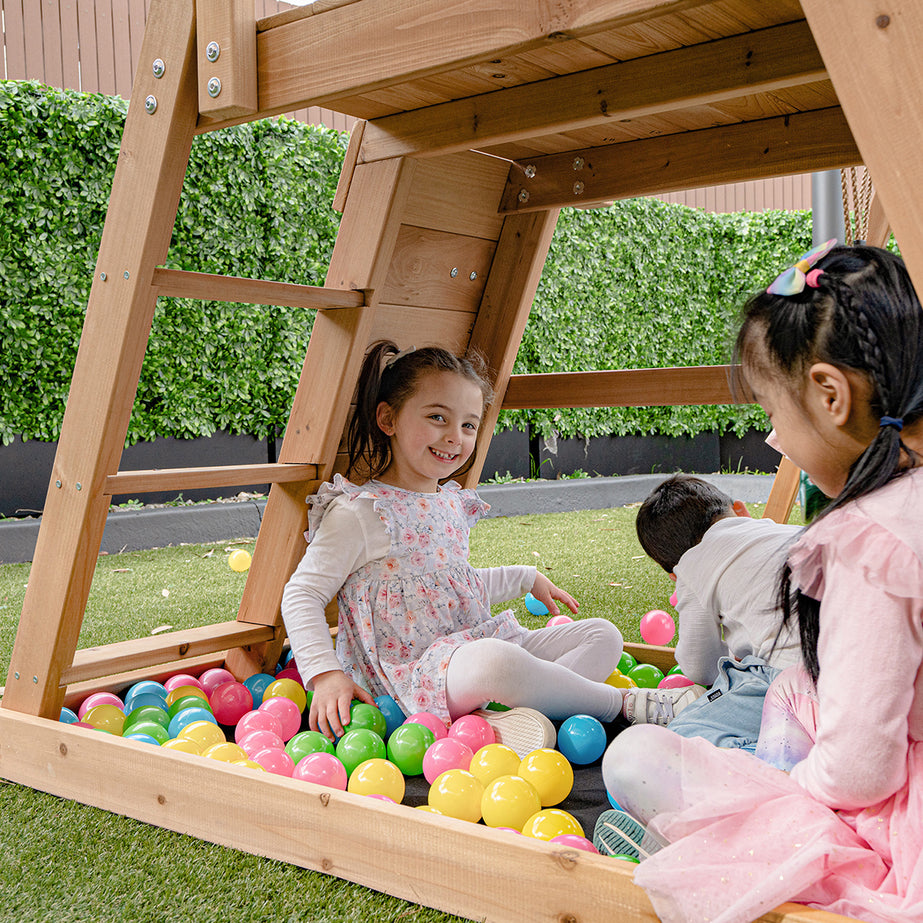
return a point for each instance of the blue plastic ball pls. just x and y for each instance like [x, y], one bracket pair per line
[257, 685]
[394, 717]
[187, 716]
[613, 802]
[68, 716]
[535, 606]
[582, 739]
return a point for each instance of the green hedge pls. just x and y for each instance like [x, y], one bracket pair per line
[638, 284]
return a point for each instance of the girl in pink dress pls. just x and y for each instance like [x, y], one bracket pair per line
[415, 617]
[830, 810]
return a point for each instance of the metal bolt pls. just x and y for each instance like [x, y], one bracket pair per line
[158, 67]
[35, 680]
[214, 87]
[126, 274]
[79, 485]
[102, 276]
[473, 276]
[578, 163]
[578, 187]
[17, 674]
[57, 483]
[212, 51]
[150, 105]
[454, 272]
[523, 195]
[529, 170]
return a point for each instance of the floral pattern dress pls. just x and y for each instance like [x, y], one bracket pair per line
[402, 616]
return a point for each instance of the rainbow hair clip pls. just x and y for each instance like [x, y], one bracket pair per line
[793, 280]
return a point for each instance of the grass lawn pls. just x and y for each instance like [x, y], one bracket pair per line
[68, 862]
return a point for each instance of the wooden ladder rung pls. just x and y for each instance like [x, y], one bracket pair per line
[221, 476]
[204, 286]
[170, 647]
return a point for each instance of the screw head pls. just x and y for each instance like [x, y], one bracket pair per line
[150, 105]
[473, 276]
[579, 163]
[126, 274]
[79, 486]
[212, 51]
[102, 276]
[530, 171]
[523, 195]
[578, 187]
[454, 272]
[214, 87]
[158, 68]
[57, 483]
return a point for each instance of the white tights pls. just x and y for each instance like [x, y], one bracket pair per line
[560, 671]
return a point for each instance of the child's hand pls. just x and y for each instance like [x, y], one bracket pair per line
[334, 692]
[545, 591]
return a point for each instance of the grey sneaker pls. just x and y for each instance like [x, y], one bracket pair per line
[522, 729]
[657, 706]
[617, 833]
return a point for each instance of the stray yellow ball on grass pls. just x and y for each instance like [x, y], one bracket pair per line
[239, 560]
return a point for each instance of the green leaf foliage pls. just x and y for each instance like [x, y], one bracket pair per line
[639, 284]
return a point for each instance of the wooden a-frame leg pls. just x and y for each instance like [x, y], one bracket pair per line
[784, 490]
[139, 222]
[360, 260]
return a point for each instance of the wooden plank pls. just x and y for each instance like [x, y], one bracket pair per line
[14, 41]
[210, 287]
[51, 43]
[142, 207]
[88, 48]
[70, 49]
[819, 140]
[467, 869]
[701, 384]
[105, 48]
[785, 487]
[664, 658]
[879, 228]
[423, 326]
[170, 647]
[121, 39]
[150, 481]
[226, 57]
[349, 164]
[758, 62]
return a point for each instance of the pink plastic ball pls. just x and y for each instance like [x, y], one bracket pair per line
[674, 681]
[321, 769]
[575, 842]
[260, 740]
[657, 627]
[674, 599]
[474, 731]
[290, 673]
[561, 619]
[275, 761]
[257, 720]
[181, 679]
[286, 712]
[445, 754]
[210, 680]
[99, 698]
[230, 702]
[434, 723]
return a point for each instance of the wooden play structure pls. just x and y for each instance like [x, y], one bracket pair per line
[481, 119]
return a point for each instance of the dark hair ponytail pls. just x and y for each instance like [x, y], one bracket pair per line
[863, 315]
[391, 376]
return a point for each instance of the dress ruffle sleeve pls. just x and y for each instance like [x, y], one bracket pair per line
[318, 503]
[473, 506]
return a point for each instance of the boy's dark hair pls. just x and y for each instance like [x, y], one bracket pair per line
[392, 376]
[675, 516]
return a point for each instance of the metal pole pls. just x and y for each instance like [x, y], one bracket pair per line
[827, 207]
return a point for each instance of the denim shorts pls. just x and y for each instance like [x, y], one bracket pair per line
[729, 713]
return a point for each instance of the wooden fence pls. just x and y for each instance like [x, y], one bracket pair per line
[94, 46]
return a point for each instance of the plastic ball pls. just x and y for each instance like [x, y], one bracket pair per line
[408, 745]
[582, 739]
[472, 730]
[151, 729]
[186, 717]
[291, 673]
[203, 732]
[574, 841]
[674, 681]
[618, 679]
[213, 678]
[377, 777]
[230, 702]
[535, 606]
[239, 560]
[99, 698]
[179, 692]
[248, 764]
[261, 740]
[674, 599]
[286, 712]
[676, 668]
[147, 713]
[68, 716]
[551, 822]
[306, 742]
[613, 802]
[493, 761]
[226, 752]
[355, 747]
[509, 801]
[657, 627]
[133, 703]
[186, 701]
[363, 715]
[321, 769]
[181, 679]
[646, 675]
[289, 689]
[433, 722]
[443, 755]
[184, 745]
[560, 619]
[145, 687]
[257, 720]
[105, 717]
[456, 793]
[625, 858]
[142, 738]
[257, 685]
[550, 774]
[428, 808]
[278, 762]
[394, 717]
[626, 662]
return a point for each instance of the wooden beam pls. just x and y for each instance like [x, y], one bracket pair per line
[226, 57]
[306, 62]
[756, 62]
[785, 487]
[126, 482]
[703, 384]
[205, 286]
[818, 140]
[878, 232]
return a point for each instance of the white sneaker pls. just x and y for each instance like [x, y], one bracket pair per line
[617, 833]
[657, 706]
[523, 729]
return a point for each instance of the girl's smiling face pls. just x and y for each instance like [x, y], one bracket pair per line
[434, 432]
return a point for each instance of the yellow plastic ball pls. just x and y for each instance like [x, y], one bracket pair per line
[457, 793]
[551, 822]
[618, 679]
[204, 733]
[493, 761]
[509, 801]
[377, 777]
[106, 717]
[287, 688]
[239, 560]
[226, 751]
[184, 745]
[175, 694]
[550, 773]
[249, 764]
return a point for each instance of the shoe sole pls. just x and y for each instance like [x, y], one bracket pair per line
[619, 834]
[522, 729]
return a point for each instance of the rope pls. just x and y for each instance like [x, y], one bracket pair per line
[857, 198]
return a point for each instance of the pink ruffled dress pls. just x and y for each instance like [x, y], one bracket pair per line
[844, 829]
[402, 616]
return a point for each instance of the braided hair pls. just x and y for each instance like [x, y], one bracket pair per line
[863, 315]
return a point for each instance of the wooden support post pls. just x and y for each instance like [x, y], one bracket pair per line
[145, 193]
[784, 490]
[226, 58]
